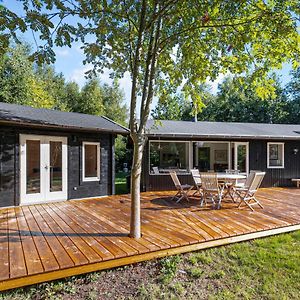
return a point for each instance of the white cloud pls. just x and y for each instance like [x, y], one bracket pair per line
[214, 84]
[64, 52]
[78, 74]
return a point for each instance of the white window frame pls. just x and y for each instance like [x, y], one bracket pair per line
[268, 155]
[97, 178]
[235, 152]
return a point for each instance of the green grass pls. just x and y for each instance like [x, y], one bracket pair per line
[266, 268]
[120, 183]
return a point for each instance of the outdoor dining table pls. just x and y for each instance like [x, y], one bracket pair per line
[230, 181]
[230, 177]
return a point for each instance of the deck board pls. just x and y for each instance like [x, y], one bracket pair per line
[54, 240]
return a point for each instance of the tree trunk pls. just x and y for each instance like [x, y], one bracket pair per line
[135, 219]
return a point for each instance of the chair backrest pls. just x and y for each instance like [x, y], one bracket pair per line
[196, 176]
[155, 170]
[209, 181]
[256, 181]
[249, 178]
[175, 179]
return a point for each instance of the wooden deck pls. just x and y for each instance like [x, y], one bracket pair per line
[50, 241]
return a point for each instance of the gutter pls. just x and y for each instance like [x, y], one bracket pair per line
[208, 136]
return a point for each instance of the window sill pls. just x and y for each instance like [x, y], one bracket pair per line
[279, 167]
[90, 179]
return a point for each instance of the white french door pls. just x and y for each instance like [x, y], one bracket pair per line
[241, 157]
[43, 168]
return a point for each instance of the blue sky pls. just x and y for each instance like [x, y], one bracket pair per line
[69, 62]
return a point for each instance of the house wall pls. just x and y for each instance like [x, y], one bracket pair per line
[9, 163]
[257, 161]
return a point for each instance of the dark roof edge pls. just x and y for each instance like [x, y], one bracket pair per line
[49, 125]
[249, 137]
[116, 123]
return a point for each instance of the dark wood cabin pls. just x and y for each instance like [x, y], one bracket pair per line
[48, 155]
[218, 146]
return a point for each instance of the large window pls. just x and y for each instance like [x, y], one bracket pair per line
[211, 156]
[275, 155]
[91, 161]
[166, 156]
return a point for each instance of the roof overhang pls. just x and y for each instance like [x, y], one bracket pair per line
[223, 137]
[44, 125]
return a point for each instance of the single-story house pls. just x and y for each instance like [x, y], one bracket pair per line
[218, 146]
[48, 155]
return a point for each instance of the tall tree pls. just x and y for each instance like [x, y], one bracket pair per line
[164, 45]
[18, 81]
[172, 107]
[113, 102]
[91, 99]
[293, 92]
[55, 85]
[235, 102]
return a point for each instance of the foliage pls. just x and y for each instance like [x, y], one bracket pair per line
[120, 183]
[113, 102]
[18, 81]
[235, 102]
[293, 92]
[169, 267]
[172, 107]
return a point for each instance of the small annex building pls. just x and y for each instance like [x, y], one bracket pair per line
[48, 155]
[218, 146]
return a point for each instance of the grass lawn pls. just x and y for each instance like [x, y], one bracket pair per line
[266, 268]
[120, 183]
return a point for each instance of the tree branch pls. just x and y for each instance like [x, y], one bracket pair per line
[155, 53]
[136, 66]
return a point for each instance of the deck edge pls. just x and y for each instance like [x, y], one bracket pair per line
[78, 270]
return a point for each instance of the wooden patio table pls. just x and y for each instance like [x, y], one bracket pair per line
[232, 179]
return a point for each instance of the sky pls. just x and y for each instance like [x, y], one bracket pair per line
[69, 62]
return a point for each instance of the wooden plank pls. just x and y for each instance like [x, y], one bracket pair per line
[32, 258]
[84, 245]
[5, 285]
[75, 254]
[47, 258]
[56, 247]
[17, 265]
[4, 250]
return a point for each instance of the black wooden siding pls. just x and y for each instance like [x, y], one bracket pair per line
[9, 164]
[257, 161]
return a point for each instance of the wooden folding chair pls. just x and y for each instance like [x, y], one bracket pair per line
[182, 189]
[211, 188]
[197, 180]
[247, 193]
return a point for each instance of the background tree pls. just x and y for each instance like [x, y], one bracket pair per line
[236, 102]
[293, 92]
[55, 85]
[18, 83]
[165, 44]
[113, 102]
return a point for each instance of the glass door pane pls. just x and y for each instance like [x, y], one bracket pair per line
[55, 166]
[33, 163]
[242, 158]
